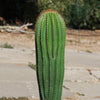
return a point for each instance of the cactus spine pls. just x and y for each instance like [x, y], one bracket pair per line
[50, 35]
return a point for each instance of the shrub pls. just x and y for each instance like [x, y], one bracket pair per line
[6, 45]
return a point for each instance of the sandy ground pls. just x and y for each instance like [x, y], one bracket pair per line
[88, 43]
[82, 70]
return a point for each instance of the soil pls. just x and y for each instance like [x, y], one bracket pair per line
[82, 40]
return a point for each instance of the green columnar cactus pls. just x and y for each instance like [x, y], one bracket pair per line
[50, 46]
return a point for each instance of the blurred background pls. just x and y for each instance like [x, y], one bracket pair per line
[78, 14]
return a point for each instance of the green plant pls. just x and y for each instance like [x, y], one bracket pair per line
[88, 51]
[23, 50]
[32, 65]
[82, 14]
[6, 45]
[50, 35]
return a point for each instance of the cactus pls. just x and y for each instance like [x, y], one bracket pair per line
[50, 35]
